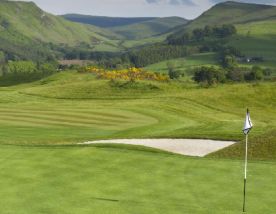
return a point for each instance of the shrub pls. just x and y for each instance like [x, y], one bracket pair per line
[236, 74]
[15, 72]
[209, 75]
[130, 74]
[255, 74]
[229, 61]
[172, 72]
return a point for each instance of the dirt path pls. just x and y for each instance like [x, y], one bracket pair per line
[190, 147]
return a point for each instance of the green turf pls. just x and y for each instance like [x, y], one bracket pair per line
[121, 180]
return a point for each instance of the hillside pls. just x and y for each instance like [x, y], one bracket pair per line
[24, 26]
[105, 21]
[233, 13]
[149, 28]
[131, 28]
[255, 26]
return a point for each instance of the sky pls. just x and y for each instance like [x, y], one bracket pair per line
[134, 8]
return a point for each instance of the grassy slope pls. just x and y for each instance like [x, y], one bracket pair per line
[116, 180]
[257, 39]
[71, 107]
[233, 13]
[26, 19]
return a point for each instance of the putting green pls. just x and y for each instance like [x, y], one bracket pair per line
[84, 180]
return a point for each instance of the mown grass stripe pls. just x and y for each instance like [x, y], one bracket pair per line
[67, 118]
[41, 120]
[78, 114]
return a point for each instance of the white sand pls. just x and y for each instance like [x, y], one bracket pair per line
[190, 147]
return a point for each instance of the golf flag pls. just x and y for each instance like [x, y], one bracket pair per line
[247, 124]
[246, 129]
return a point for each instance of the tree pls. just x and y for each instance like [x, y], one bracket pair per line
[229, 62]
[173, 73]
[198, 34]
[2, 57]
[236, 74]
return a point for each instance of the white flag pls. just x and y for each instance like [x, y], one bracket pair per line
[247, 124]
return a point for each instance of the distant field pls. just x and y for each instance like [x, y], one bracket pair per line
[185, 64]
[143, 42]
[122, 180]
[257, 39]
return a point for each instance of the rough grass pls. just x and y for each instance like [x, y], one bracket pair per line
[116, 180]
[259, 148]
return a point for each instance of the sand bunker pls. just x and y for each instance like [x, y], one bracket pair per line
[190, 147]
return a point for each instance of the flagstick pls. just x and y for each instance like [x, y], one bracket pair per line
[245, 174]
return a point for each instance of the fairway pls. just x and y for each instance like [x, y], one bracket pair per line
[69, 108]
[107, 180]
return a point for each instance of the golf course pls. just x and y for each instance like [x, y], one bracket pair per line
[44, 170]
[138, 107]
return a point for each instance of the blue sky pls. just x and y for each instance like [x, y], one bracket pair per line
[134, 8]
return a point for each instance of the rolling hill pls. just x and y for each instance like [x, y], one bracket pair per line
[131, 28]
[105, 21]
[149, 28]
[233, 13]
[255, 25]
[25, 27]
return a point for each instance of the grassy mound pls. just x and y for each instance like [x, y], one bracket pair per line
[87, 86]
[260, 148]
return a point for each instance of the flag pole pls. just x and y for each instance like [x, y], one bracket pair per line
[245, 172]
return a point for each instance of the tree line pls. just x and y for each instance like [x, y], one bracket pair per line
[201, 34]
[212, 75]
[15, 72]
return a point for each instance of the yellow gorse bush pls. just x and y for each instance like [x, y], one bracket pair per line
[125, 74]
